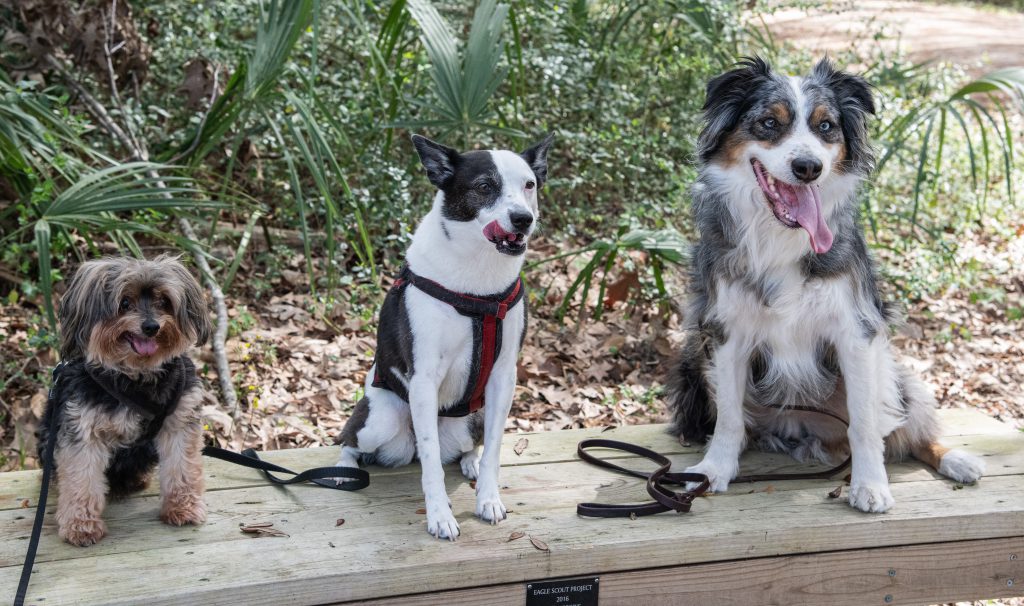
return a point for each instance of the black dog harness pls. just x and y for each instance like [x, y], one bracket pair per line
[115, 389]
[486, 313]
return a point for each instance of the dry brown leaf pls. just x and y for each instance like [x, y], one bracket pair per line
[520, 446]
[541, 545]
[421, 510]
[836, 493]
[262, 529]
[619, 289]
[769, 489]
[24, 503]
[515, 535]
[339, 522]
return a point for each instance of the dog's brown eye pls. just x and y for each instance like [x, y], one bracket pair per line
[484, 188]
[530, 185]
[126, 304]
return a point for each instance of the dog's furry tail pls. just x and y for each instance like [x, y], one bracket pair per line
[689, 401]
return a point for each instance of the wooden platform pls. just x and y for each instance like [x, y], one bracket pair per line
[784, 543]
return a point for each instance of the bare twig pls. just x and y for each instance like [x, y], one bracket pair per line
[139, 152]
[220, 335]
[108, 52]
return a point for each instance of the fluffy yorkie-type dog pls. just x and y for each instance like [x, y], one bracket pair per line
[126, 393]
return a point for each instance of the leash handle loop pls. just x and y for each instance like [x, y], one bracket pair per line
[666, 499]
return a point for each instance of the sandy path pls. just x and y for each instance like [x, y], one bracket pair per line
[979, 39]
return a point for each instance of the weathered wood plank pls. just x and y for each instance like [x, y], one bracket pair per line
[320, 563]
[545, 447]
[395, 498]
[920, 574]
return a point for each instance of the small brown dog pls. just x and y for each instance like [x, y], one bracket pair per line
[126, 394]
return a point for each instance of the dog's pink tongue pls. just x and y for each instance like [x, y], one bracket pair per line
[494, 232]
[808, 214]
[144, 346]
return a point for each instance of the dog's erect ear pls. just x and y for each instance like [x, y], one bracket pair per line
[851, 90]
[192, 313]
[537, 157]
[727, 97]
[853, 94]
[437, 159]
[87, 302]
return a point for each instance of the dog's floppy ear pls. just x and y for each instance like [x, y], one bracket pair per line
[537, 158]
[437, 159]
[191, 312]
[727, 97]
[856, 102]
[87, 302]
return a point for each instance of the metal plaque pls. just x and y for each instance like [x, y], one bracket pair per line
[565, 592]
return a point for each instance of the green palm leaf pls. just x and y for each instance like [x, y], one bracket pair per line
[465, 82]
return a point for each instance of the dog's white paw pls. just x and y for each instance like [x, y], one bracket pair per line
[441, 523]
[961, 466]
[871, 497]
[471, 464]
[348, 459]
[489, 508]
[718, 473]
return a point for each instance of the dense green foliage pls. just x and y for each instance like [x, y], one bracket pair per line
[314, 102]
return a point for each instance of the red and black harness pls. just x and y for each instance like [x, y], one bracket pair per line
[486, 313]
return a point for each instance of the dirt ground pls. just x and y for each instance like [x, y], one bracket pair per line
[979, 39]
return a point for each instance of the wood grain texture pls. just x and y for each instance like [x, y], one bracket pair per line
[547, 447]
[921, 574]
[383, 549]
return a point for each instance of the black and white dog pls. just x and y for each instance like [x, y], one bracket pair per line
[451, 327]
[785, 309]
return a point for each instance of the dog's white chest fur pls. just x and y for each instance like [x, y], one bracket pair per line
[443, 341]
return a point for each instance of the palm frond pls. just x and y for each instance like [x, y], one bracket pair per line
[463, 83]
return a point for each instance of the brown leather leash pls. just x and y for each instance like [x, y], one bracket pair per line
[666, 499]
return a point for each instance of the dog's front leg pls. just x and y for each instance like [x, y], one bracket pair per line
[498, 396]
[423, 406]
[179, 446]
[82, 461]
[728, 374]
[869, 484]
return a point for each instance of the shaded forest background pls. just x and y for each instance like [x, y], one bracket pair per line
[269, 143]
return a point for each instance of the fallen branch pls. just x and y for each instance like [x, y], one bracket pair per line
[140, 153]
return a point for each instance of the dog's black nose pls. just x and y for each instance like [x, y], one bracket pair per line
[806, 169]
[150, 327]
[520, 220]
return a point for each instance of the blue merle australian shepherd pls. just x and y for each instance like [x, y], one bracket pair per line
[784, 306]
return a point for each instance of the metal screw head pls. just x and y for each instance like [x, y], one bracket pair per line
[892, 572]
[1009, 582]
[1013, 557]
[888, 598]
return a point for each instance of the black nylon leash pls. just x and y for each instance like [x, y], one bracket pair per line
[359, 479]
[666, 499]
[44, 488]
